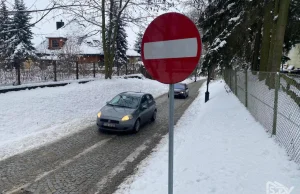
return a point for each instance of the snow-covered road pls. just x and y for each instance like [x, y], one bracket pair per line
[32, 118]
[35, 117]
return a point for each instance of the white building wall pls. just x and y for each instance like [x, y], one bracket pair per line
[294, 55]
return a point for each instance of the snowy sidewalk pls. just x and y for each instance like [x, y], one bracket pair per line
[220, 149]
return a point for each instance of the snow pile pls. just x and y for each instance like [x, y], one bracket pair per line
[52, 82]
[219, 148]
[192, 79]
[32, 118]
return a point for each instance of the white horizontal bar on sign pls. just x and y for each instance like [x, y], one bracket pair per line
[180, 48]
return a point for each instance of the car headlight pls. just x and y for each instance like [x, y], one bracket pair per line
[181, 92]
[127, 117]
[99, 114]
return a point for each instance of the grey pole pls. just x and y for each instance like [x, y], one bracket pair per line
[171, 137]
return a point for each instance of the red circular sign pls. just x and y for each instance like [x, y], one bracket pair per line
[171, 48]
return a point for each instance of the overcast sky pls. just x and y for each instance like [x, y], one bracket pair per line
[48, 24]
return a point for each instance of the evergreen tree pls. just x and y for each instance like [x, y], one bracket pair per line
[230, 28]
[292, 34]
[4, 29]
[20, 46]
[138, 43]
[247, 32]
[121, 45]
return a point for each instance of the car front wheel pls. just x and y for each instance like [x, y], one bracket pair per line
[137, 126]
[153, 118]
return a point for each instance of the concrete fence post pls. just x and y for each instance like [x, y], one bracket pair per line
[230, 80]
[54, 71]
[235, 84]
[77, 70]
[277, 86]
[246, 88]
[94, 69]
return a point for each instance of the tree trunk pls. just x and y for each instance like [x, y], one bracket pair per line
[114, 16]
[54, 71]
[104, 45]
[273, 39]
[118, 69]
[264, 52]
[18, 69]
[255, 61]
[279, 36]
[111, 39]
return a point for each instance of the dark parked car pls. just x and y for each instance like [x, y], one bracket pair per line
[127, 112]
[181, 90]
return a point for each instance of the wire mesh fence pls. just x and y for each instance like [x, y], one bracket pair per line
[48, 71]
[273, 99]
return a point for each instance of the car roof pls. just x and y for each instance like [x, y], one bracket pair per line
[131, 93]
[180, 84]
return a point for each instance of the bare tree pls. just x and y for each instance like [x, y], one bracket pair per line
[105, 14]
[194, 8]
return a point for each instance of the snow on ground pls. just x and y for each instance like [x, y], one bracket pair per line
[31, 118]
[219, 148]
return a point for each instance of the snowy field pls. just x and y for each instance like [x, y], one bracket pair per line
[31, 118]
[219, 148]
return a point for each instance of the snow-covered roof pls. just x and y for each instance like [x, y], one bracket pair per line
[83, 48]
[73, 28]
[132, 53]
[87, 43]
[290, 67]
[83, 42]
[49, 57]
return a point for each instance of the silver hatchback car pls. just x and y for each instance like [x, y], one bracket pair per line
[127, 112]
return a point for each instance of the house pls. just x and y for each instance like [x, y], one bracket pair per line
[294, 55]
[76, 42]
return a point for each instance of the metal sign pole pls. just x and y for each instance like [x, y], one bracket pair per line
[171, 137]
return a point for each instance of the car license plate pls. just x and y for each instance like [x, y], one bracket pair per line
[109, 125]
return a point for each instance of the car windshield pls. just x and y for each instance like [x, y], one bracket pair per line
[123, 100]
[179, 86]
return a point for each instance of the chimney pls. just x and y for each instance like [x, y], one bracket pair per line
[59, 24]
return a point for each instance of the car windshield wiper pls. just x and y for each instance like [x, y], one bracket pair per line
[123, 106]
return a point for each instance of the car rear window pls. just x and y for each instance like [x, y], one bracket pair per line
[179, 86]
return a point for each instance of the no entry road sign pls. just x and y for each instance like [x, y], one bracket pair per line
[171, 48]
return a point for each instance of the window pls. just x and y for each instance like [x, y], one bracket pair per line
[150, 100]
[89, 43]
[126, 101]
[97, 42]
[54, 43]
[144, 100]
